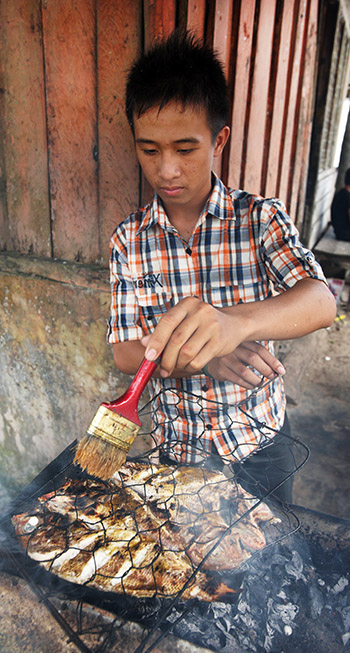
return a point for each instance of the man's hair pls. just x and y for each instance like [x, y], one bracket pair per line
[347, 177]
[180, 69]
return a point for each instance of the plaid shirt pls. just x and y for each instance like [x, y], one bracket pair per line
[242, 246]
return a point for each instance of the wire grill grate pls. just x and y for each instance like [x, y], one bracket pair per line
[156, 539]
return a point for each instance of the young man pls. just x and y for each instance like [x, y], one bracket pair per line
[192, 276]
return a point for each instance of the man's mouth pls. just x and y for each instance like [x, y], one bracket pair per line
[171, 191]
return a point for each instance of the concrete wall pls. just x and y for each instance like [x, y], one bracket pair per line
[55, 365]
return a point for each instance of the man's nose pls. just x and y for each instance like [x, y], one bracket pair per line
[168, 167]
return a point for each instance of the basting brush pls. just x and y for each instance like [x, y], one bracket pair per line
[103, 449]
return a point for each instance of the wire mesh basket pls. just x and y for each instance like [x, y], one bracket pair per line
[159, 539]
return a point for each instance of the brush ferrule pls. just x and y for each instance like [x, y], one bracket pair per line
[113, 428]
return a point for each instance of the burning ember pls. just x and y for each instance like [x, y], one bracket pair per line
[287, 603]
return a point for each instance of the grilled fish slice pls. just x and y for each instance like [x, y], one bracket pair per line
[161, 483]
[190, 489]
[134, 473]
[144, 571]
[168, 575]
[74, 501]
[186, 492]
[196, 522]
[86, 568]
[235, 545]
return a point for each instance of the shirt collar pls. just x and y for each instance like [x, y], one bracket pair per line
[219, 205]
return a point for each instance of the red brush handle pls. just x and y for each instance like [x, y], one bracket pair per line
[127, 404]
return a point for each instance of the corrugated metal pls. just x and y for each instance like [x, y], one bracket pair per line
[69, 172]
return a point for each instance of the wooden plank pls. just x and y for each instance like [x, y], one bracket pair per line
[280, 100]
[241, 88]
[231, 70]
[25, 222]
[293, 108]
[223, 31]
[222, 45]
[301, 159]
[259, 97]
[118, 40]
[159, 20]
[69, 42]
[196, 17]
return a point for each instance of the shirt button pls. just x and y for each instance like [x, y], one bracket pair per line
[208, 427]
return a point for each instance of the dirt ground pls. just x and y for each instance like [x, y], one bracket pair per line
[318, 378]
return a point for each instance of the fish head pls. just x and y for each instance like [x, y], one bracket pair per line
[26, 523]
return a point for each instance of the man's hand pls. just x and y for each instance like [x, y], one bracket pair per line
[190, 334]
[246, 365]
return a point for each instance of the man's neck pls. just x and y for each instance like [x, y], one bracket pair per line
[184, 223]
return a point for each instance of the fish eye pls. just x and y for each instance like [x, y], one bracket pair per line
[31, 524]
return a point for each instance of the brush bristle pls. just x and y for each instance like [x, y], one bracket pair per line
[99, 458]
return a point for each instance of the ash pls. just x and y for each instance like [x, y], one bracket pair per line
[286, 604]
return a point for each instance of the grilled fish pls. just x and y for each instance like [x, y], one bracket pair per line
[146, 532]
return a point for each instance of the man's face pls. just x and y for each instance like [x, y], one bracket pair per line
[175, 149]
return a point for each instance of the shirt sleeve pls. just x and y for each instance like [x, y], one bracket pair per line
[285, 258]
[124, 312]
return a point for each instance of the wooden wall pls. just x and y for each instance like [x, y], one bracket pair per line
[68, 171]
[69, 167]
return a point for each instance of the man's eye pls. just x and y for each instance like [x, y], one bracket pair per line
[185, 151]
[149, 152]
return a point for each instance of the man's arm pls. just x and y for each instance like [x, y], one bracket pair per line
[192, 333]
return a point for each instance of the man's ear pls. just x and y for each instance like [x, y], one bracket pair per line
[221, 140]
